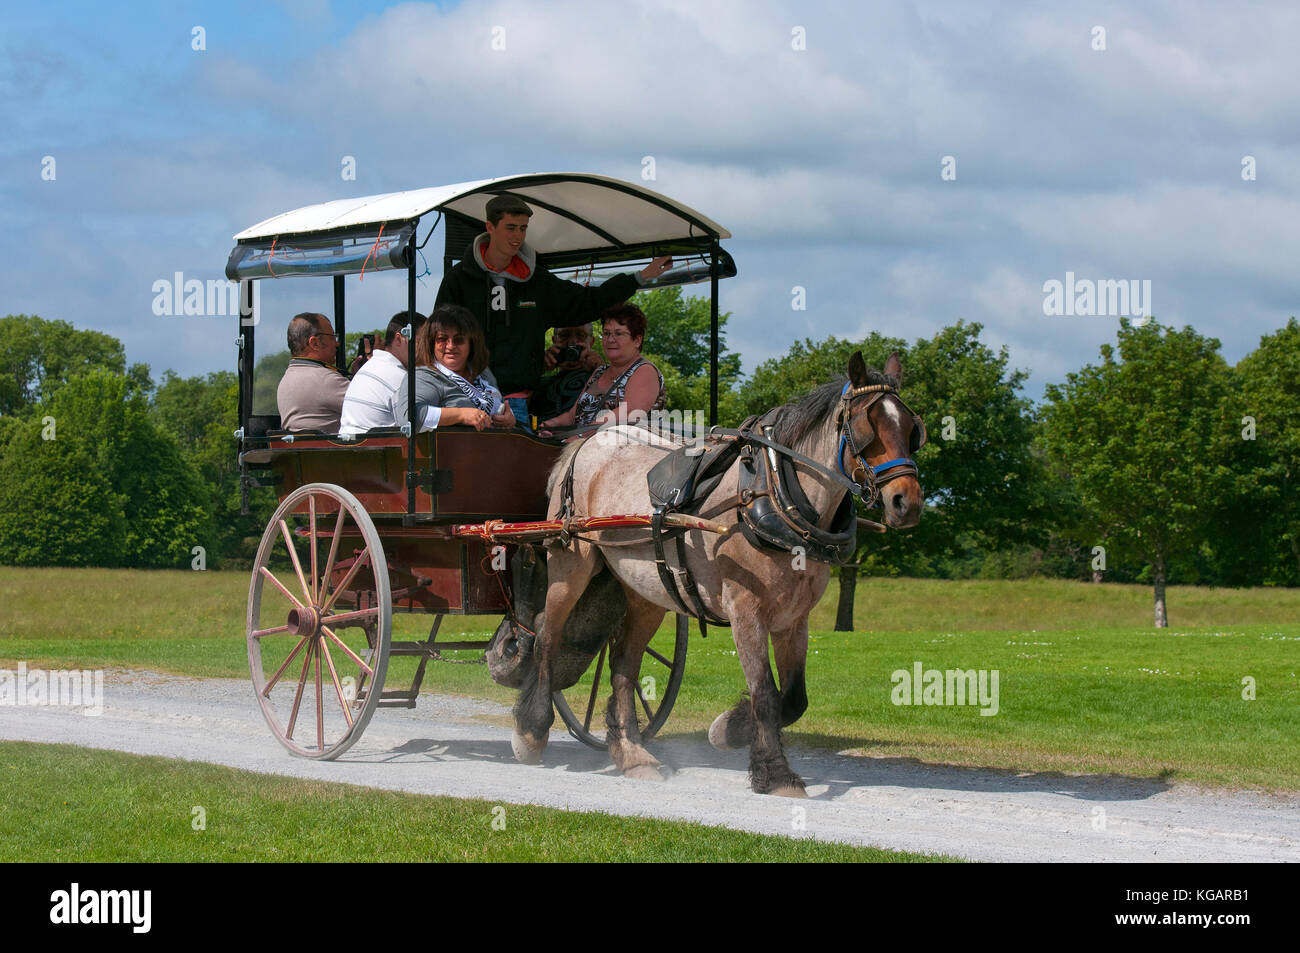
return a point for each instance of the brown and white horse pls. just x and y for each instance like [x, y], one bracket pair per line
[860, 429]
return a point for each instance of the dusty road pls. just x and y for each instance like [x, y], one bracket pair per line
[460, 747]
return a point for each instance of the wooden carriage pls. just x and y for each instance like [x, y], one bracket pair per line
[399, 521]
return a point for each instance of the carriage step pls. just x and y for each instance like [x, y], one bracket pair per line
[397, 703]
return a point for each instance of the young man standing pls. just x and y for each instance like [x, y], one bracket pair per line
[516, 300]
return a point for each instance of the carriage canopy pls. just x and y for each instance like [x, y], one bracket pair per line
[578, 219]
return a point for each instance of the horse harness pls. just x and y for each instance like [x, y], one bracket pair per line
[774, 510]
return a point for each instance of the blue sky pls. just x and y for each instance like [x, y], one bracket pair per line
[824, 162]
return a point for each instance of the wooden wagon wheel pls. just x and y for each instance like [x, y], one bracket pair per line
[322, 687]
[583, 706]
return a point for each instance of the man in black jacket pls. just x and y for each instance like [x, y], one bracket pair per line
[516, 300]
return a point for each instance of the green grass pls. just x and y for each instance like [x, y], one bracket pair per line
[65, 803]
[1086, 685]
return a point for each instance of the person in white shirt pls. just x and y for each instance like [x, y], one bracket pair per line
[369, 399]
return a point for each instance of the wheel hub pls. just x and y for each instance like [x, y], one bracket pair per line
[304, 621]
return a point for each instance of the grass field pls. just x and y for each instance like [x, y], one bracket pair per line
[1085, 684]
[64, 803]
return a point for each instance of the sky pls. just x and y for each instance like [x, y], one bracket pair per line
[907, 165]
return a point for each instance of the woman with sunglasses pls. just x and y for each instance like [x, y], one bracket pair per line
[452, 382]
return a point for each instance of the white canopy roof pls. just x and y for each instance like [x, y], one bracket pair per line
[571, 211]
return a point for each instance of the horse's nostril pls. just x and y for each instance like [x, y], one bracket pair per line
[899, 502]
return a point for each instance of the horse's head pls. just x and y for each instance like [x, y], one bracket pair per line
[878, 436]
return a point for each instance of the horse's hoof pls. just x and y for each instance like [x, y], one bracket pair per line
[789, 790]
[644, 772]
[718, 732]
[526, 748]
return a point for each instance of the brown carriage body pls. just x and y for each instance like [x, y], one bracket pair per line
[471, 477]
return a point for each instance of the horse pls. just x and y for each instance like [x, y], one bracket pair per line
[843, 438]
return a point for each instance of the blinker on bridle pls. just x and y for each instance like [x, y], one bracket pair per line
[872, 480]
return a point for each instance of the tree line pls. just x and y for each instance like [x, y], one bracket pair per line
[1159, 463]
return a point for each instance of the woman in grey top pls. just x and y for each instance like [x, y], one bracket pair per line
[452, 382]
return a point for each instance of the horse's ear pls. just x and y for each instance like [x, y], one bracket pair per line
[857, 369]
[893, 366]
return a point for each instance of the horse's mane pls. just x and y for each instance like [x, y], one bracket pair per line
[795, 420]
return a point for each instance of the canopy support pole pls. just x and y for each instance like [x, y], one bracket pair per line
[713, 333]
[413, 424]
[340, 326]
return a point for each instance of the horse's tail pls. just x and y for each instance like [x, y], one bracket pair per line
[561, 466]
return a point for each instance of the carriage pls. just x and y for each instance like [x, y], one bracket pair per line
[434, 523]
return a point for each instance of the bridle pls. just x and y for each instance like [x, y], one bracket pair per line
[872, 481]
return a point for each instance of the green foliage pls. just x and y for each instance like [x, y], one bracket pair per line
[1257, 535]
[202, 413]
[677, 342]
[266, 380]
[87, 480]
[809, 364]
[1142, 438]
[38, 356]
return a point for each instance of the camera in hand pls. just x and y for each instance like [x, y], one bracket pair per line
[569, 354]
[362, 347]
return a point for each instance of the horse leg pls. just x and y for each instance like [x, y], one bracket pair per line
[791, 650]
[569, 572]
[734, 728]
[769, 772]
[625, 747]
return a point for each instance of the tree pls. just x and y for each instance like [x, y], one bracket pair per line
[87, 480]
[677, 329]
[1265, 462]
[39, 356]
[1142, 438]
[201, 413]
[677, 342]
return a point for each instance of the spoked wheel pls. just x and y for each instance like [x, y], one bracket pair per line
[318, 644]
[583, 706]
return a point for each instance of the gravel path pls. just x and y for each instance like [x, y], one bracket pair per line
[460, 747]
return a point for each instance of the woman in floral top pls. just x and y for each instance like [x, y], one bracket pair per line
[627, 382]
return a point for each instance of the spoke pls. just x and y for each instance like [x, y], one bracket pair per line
[652, 652]
[595, 688]
[293, 555]
[320, 705]
[334, 549]
[266, 692]
[356, 567]
[352, 655]
[261, 632]
[279, 585]
[302, 683]
[311, 506]
[351, 616]
[334, 677]
[648, 714]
